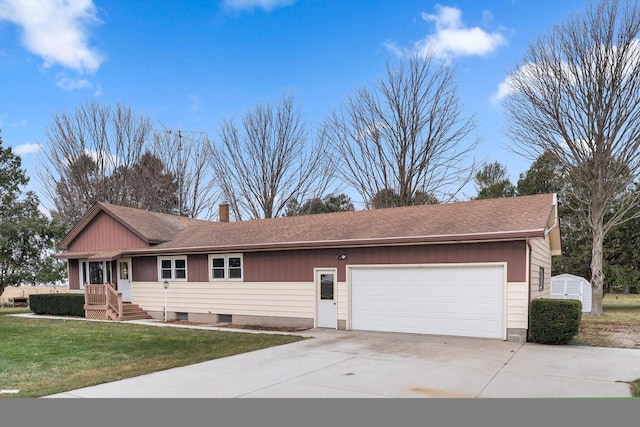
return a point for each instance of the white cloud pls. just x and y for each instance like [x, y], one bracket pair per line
[399, 51]
[24, 149]
[535, 72]
[504, 89]
[452, 37]
[267, 5]
[67, 83]
[56, 30]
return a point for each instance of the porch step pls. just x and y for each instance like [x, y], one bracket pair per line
[133, 312]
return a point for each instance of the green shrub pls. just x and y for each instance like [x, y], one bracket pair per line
[554, 321]
[57, 304]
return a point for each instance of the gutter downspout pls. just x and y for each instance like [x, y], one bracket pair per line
[528, 281]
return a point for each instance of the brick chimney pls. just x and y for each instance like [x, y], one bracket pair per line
[223, 212]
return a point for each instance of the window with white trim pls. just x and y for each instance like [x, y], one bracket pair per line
[94, 272]
[172, 268]
[225, 267]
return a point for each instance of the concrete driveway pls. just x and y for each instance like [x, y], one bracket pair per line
[337, 364]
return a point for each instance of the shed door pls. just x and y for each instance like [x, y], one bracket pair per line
[451, 300]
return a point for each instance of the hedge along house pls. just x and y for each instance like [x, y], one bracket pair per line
[465, 269]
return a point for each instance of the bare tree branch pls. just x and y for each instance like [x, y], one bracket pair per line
[577, 97]
[85, 147]
[269, 161]
[406, 134]
[187, 156]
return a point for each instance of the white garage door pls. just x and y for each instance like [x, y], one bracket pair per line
[462, 301]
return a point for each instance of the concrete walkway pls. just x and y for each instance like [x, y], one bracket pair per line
[337, 364]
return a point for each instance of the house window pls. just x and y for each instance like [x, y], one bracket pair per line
[217, 268]
[541, 278]
[225, 267]
[173, 268]
[95, 272]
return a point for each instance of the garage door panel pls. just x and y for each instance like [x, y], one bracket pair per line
[401, 292]
[463, 301]
[480, 292]
[431, 309]
[480, 310]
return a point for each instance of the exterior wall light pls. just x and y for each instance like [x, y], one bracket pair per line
[341, 256]
[165, 285]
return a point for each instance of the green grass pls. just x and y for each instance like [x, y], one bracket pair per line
[623, 309]
[635, 388]
[40, 357]
[618, 326]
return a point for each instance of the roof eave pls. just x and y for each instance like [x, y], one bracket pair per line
[340, 243]
[553, 228]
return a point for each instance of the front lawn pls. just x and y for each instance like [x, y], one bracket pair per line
[40, 357]
[619, 325]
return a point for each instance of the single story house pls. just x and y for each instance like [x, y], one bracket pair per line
[465, 269]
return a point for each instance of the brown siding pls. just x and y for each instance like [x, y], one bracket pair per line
[297, 266]
[74, 274]
[104, 232]
[144, 269]
[198, 268]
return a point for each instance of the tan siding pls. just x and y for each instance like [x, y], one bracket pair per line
[285, 299]
[297, 266]
[517, 305]
[540, 257]
[343, 301]
[104, 232]
[288, 299]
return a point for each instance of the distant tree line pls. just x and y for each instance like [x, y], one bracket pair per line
[621, 245]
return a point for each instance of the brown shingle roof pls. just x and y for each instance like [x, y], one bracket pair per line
[151, 227]
[507, 218]
[154, 226]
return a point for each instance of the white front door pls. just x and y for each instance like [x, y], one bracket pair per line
[326, 299]
[124, 279]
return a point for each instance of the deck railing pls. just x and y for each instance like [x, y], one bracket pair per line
[102, 301]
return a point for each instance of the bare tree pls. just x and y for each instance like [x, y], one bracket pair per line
[84, 148]
[269, 161]
[187, 155]
[577, 97]
[406, 134]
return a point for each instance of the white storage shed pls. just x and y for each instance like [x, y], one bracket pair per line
[569, 286]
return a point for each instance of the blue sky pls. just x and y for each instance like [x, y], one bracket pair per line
[191, 64]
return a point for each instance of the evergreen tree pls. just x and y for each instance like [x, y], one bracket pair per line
[27, 236]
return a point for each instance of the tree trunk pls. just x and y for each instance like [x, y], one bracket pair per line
[597, 276]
